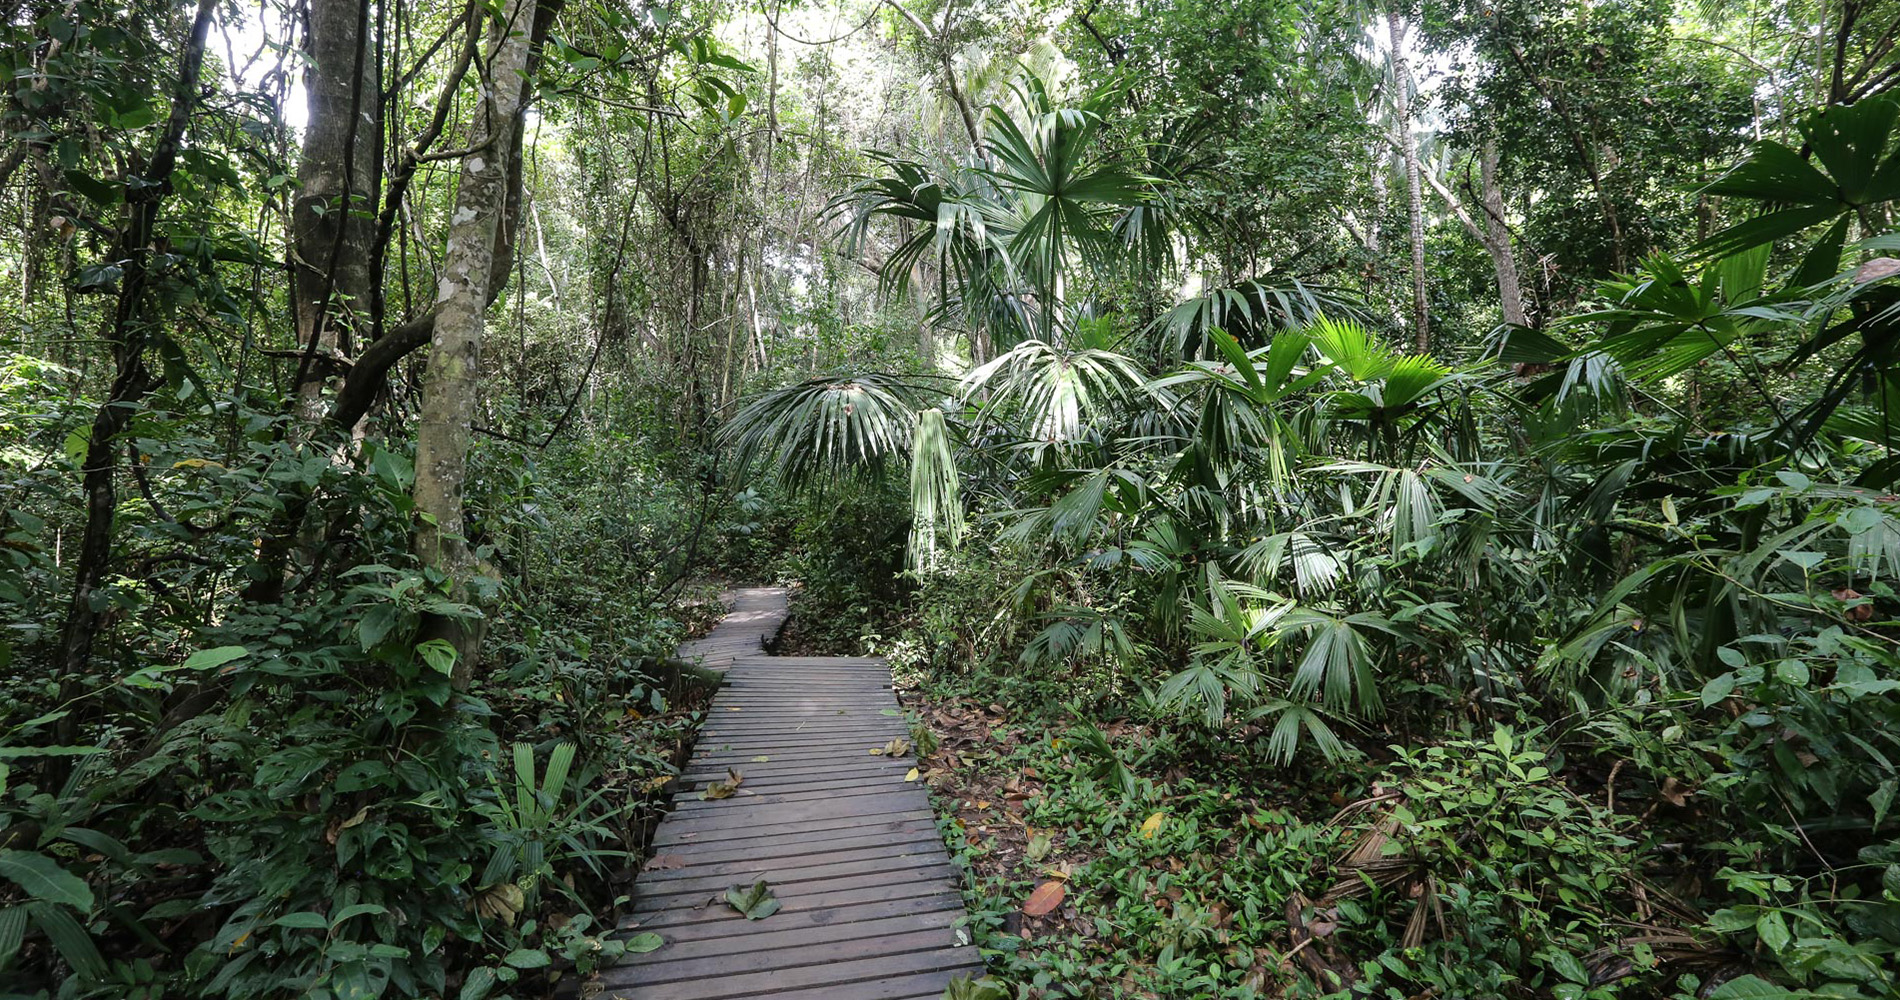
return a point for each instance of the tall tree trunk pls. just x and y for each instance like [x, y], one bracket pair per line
[1408, 148]
[1498, 235]
[333, 223]
[452, 378]
[131, 325]
[1494, 235]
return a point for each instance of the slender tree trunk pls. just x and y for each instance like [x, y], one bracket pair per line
[938, 41]
[1498, 236]
[333, 223]
[130, 326]
[1408, 148]
[1494, 235]
[452, 378]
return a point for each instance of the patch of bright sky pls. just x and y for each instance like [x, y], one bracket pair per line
[257, 44]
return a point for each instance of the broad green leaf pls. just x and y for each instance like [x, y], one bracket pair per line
[44, 879]
[480, 982]
[528, 958]
[1773, 930]
[755, 901]
[1717, 689]
[644, 942]
[205, 659]
[439, 654]
[1566, 965]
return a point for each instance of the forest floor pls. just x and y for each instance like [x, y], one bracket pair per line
[1083, 874]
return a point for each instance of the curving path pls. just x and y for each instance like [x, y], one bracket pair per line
[851, 850]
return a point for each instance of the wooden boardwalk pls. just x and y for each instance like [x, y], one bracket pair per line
[851, 850]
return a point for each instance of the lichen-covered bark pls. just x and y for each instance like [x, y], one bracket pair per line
[334, 217]
[1498, 236]
[1415, 203]
[451, 380]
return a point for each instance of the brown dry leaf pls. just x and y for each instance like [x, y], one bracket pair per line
[1152, 825]
[1047, 897]
[655, 784]
[1858, 613]
[895, 748]
[500, 901]
[665, 862]
[336, 828]
[1675, 792]
[723, 789]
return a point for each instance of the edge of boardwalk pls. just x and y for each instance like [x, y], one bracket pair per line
[870, 902]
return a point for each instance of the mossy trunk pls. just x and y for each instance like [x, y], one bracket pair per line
[452, 380]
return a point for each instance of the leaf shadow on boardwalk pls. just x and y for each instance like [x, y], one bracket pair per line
[868, 894]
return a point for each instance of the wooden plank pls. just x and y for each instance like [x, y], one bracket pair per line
[873, 885]
[743, 758]
[705, 809]
[681, 839]
[868, 902]
[843, 750]
[804, 842]
[833, 911]
[783, 874]
[829, 951]
[741, 814]
[810, 733]
[737, 978]
[884, 797]
[829, 791]
[759, 940]
[757, 776]
[866, 763]
[747, 862]
[784, 765]
[755, 725]
[925, 986]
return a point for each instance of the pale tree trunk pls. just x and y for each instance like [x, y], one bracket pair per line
[452, 378]
[1494, 235]
[1408, 149]
[333, 222]
[1498, 236]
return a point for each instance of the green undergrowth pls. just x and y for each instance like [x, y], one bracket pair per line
[1476, 864]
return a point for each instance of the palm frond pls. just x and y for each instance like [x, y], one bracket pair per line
[833, 425]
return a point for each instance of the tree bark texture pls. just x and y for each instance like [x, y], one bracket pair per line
[333, 221]
[1408, 149]
[452, 378]
[1498, 236]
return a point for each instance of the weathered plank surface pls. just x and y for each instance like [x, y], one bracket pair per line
[869, 901]
[753, 619]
